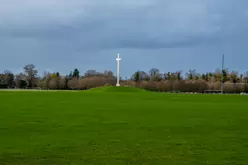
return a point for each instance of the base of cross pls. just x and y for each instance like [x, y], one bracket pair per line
[118, 85]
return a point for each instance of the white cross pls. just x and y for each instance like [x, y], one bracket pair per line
[118, 69]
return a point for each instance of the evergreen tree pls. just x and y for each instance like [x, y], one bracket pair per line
[76, 73]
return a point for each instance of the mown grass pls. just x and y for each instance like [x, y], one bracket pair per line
[110, 126]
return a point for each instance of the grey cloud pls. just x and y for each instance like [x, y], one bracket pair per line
[95, 24]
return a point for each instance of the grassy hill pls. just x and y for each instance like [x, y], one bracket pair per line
[111, 89]
[112, 125]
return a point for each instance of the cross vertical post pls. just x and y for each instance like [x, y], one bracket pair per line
[118, 70]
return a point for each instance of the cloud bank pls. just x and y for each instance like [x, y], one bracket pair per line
[35, 30]
[95, 24]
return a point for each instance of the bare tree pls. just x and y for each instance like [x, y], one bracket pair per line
[45, 81]
[9, 78]
[73, 83]
[90, 73]
[246, 77]
[192, 75]
[62, 83]
[108, 74]
[31, 73]
[217, 75]
[53, 84]
[153, 73]
[234, 76]
[20, 80]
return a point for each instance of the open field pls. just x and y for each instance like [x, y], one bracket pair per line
[110, 126]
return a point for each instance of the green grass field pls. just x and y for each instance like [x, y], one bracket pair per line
[121, 126]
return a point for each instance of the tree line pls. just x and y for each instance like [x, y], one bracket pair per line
[153, 80]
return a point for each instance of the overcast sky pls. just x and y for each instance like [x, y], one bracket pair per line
[171, 35]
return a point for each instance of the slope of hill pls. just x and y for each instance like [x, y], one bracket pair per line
[110, 89]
